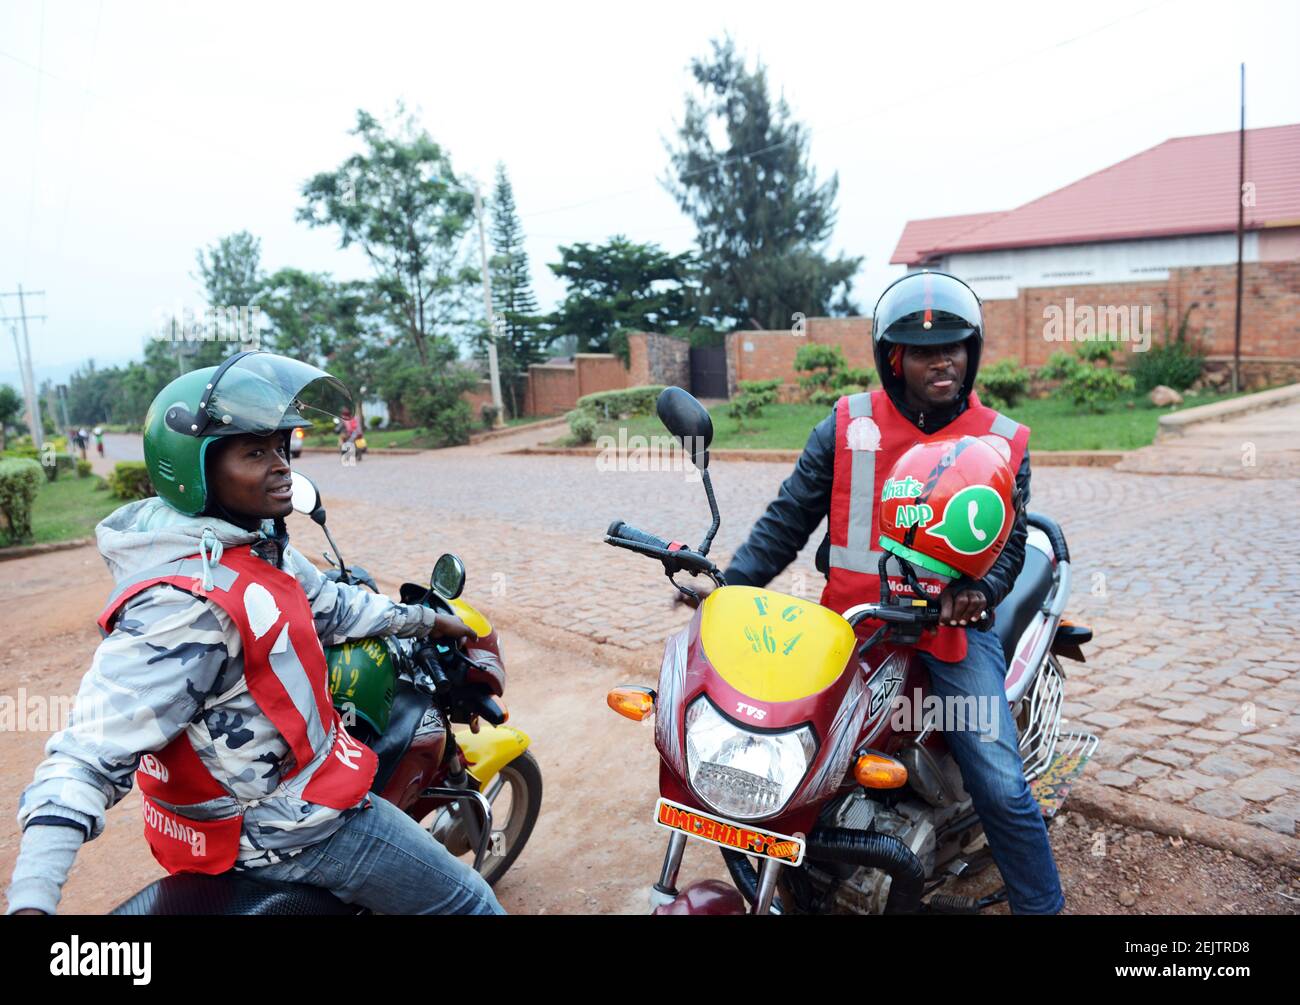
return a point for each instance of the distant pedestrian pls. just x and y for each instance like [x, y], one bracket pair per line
[98, 432]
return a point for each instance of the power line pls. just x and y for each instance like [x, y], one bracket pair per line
[25, 361]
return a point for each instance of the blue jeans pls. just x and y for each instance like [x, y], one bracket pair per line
[384, 860]
[992, 771]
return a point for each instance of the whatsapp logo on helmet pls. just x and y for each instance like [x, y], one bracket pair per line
[972, 520]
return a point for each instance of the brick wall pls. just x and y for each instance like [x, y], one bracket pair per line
[477, 397]
[554, 390]
[1270, 324]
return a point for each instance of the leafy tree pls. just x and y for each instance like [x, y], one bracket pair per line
[11, 407]
[519, 340]
[621, 286]
[762, 219]
[231, 273]
[400, 202]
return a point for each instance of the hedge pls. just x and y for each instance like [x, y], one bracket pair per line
[616, 404]
[130, 480]
[20, 480]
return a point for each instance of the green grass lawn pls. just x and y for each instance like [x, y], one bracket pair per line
[416, 439]
[1055, 424]
[70, 507]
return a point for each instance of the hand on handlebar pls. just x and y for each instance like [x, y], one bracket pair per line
[965, 607]
[451, 629]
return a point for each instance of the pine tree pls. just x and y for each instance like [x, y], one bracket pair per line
[513, 301]
[763, 221]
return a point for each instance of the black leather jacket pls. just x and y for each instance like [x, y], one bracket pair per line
[805, 500]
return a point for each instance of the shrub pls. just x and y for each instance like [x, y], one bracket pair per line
[623, 402]
[83, 468]
[854, 377]
[1095, 387]
[582, 424]
[130, 480]
[1006, 381]
[375, 421]
[755, 395]
[822, 364]
[488, 413]
[1175, 363]
[431, 397]
[20, 480]
[1098, 351]
[1059, 366]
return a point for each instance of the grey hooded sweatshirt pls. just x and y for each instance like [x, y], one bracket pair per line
[174, 664]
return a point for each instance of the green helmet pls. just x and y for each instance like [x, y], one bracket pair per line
[251, 392]
[363, 676]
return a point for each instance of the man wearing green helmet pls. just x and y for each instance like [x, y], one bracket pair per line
[209, 686]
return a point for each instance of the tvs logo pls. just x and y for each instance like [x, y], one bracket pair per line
[751, 711]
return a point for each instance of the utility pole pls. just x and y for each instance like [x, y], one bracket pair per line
[1241, 213]
[493, 369]
[25, 365]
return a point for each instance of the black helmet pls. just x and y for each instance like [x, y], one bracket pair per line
[926, 308]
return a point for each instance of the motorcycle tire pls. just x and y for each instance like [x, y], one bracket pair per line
[524, 777]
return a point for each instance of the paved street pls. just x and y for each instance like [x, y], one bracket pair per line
[1188, 582]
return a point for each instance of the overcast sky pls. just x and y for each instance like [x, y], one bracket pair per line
[134, 133]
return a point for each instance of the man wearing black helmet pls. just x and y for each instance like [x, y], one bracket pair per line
[927, 333]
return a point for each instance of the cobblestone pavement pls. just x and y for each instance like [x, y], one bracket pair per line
[1188, 583]
[1263, 444]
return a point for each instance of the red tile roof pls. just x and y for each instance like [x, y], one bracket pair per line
[1183, 186]
[920, 235]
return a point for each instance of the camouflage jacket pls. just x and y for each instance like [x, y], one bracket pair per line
[172, 664]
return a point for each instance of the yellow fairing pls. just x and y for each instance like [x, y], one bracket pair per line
[477, 623]
[490, 749]
[771, 646]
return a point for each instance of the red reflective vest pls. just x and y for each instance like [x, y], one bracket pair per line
[870, 435]
[285, 669]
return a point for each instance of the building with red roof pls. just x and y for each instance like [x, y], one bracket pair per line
[1157, 231]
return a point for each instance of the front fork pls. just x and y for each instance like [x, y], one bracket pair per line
[665, 891]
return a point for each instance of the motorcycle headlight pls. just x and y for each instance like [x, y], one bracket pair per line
[743, 774]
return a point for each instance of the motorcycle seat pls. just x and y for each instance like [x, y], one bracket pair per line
[230, 893]
[1025, 600]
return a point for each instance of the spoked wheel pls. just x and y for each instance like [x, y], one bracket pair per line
[516, 798]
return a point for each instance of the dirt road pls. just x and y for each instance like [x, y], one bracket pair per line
[595, 849]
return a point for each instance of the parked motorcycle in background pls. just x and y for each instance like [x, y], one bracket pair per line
[777, 743]
[432, 715]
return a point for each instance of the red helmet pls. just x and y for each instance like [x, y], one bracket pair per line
[947, 505]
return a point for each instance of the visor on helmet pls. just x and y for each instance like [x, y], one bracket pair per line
[927, 308]
[261, 392]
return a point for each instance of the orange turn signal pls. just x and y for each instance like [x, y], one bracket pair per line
[631, 702]
[876, 771]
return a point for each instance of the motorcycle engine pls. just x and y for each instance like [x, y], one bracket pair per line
[847, 889]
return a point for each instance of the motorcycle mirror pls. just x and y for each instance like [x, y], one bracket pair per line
[306, 497]
[448, 579]
[689, 421]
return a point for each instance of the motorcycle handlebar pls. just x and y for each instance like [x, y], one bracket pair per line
[675, 558]
[623, 532]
